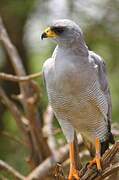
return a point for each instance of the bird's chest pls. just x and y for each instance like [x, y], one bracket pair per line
[71, 74]
[67, 85]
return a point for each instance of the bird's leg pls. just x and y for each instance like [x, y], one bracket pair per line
[97, 159]
[73, 171]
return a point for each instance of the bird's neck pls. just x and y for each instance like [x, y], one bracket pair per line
[77, 47]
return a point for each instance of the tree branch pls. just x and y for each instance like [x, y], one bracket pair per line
[11, 50]
[110, 170]
[29, 94]
[48, 128]
[107, 159]
[11, 170]
[10, 77]
[48, 165]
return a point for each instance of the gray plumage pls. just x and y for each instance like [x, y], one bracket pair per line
[77, 86]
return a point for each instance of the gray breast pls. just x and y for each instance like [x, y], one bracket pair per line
[71, 95]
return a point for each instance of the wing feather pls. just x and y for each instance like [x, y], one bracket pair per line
[102, 75]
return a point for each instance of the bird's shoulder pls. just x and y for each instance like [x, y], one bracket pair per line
[97, 61]
[100, 67]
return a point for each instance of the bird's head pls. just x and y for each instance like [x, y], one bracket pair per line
[63, 31]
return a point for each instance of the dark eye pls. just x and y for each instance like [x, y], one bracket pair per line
[58, 30]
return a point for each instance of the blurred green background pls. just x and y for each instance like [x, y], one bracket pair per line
[25, 20]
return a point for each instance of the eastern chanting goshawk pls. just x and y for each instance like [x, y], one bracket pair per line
[78, 90]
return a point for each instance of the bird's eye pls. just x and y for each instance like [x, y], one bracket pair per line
[58, 30]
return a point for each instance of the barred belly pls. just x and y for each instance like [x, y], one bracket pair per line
[83, 115]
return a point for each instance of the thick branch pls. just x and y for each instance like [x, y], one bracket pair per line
[111, 170]
[11, 170]
[107, 159]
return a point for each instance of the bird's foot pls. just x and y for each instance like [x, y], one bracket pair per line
[97, 161]
[74, 173]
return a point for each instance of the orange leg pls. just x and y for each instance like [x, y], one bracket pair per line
[73, 171]
[97, 159]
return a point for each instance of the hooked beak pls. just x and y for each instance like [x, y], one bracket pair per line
[44, 35]
[48, 33]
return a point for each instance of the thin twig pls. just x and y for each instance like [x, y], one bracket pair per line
[10, 77]
[11, 170]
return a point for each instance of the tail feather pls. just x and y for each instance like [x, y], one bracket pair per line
[105, 144]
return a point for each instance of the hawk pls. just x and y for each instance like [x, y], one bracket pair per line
[78, 90]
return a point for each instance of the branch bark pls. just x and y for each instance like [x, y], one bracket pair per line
[111, 170]
[107, 159]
